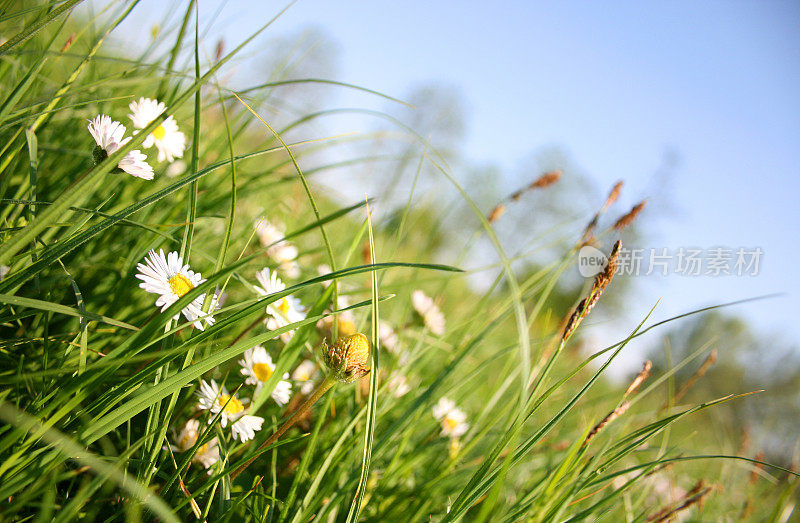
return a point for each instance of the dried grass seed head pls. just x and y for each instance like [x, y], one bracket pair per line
[627, 219]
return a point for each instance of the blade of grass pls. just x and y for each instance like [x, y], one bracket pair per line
[372, 402]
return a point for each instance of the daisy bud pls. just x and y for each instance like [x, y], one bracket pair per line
[348, 357]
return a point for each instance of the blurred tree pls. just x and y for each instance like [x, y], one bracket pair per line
[745, 362]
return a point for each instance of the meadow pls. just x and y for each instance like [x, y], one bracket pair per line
[196, 325]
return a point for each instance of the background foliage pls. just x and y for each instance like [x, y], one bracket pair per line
[97, 382]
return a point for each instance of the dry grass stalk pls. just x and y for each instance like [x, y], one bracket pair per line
[756, 467]
[611, 416]
[517, 194]
[701, 371]
[545, 180]
[574, 320]
[639, 379]
[694, 496]
[744, 441]
[627, 219]
[601, 281]
[366, 253]
[588, 233]
[68, 43]
[496, 213]
[613, 195]
[219, 51]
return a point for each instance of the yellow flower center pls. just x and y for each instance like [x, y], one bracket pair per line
[449, 423]
[187, 441]
[159, 132]
[303, 376]
[180, 284]
[234, 406]
[283, 306]
[262, 371]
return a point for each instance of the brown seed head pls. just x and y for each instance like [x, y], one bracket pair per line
[699, 373]
[639, 379]
[588, 232]
[496, 213]
[694, 496]
[627, 219]
[574, 320]
[68, 43]
[613, 195]
[601, 281]
[611, 416]
[220, 50]
[605, 277]
[548, 178]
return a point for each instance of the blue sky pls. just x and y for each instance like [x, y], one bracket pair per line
[616, 84]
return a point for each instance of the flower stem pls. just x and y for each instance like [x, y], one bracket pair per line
[324, 387]
[245, 331]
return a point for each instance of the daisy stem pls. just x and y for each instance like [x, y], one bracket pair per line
[324, 387]
[245, 331]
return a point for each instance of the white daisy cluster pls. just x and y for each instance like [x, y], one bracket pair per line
[109, 135]
[258, 367]
[452, 419]
[284, 253]
[206, 455]
[280, 312]
[398, 385]
[231, 409]
[429, 311]
[388, 336]
[171, 279]
[169, 141]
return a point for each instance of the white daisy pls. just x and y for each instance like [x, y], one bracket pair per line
[206, 455]
[322, 270]
[216, 400]
[257, 365]
[108, 135]
[245, 428]
[283, 252]
[452, 419]
[429, 311]
[169, 141]
[284, 311]
[388, 336]
[105, 131]
[305, 373]
[175, 169]
[399, 386]
[170, 279]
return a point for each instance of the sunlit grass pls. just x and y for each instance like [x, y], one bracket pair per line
[98, 382]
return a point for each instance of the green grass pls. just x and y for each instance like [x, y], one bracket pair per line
[97, 382]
